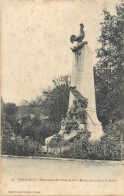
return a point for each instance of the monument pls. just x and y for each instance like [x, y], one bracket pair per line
[81, 118]
[82, 79]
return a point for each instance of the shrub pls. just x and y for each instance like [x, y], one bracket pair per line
[20, 147]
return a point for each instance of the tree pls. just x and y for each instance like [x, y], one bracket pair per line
[41, 117]
[55, 104]
[8, 114]
[109, 69]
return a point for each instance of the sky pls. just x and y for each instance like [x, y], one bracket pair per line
[35, 41]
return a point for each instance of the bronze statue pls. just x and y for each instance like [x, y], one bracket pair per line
[80, 37]
[78, 108]
[83, 101]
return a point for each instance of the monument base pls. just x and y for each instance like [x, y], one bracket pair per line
[96, 131]
[93, 125]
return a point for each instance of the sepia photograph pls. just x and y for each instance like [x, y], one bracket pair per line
[62, 97]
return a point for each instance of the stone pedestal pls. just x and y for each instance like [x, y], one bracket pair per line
[82, 77]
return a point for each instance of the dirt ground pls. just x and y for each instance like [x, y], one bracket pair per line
[21, 176]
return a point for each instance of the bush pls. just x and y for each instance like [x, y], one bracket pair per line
[20, 147]
[55, 141]
[93, 151]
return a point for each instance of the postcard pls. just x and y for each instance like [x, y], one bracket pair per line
[62, 110]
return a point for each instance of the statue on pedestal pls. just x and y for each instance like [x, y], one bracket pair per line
[78, 108]
[78, 39]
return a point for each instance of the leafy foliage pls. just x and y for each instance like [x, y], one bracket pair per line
[96, 150]
[9, 111]
[114, 132]
[20, 147]
[109, 69]
[39, 118]
[55, 104]
[56, 141]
